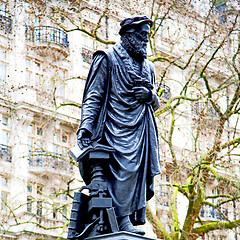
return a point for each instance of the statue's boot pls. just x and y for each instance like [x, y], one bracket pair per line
[126, 225]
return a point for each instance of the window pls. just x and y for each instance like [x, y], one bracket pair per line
[164, 195]
[3, 70]
[34, 200]
[39, 151]
[6, 22]
[61, 74]
[59, 204]
[30, 129]
[87, 54]
[53, 73]
[169, 228]
[64, 197]
[28, 72]
[34, 146]
[58, 77]
[55, 137]
[3, 54]
[61, 84]
[61, 88]
[39, 131]
[29, 204]
[39, 189]
[4, 188]
[33, 74]
[3, 65]
[64, 152]
[4, 196]
[55, 149]
[55, 145]
[36, 21]
[87, 49]
[219, 213]
[54, 213]
[220, 8]
[27, 6]
[39, 208]
[164, 190]
[27, 16]
[28, 63]
[54, 193]
[204, 8]
[30, 15]
[37, 70]
[3, 8]
[29, 151]
[64, 138]
[5, 149]
[64, 213]
[167, 178]
[29, 188]
[5, 139]
[5, 121]
[4, 182]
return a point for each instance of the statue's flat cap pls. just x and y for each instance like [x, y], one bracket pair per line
[132, 22]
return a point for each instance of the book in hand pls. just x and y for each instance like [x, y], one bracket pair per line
[77, 153]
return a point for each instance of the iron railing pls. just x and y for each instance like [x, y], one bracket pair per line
[5, 153]
[50, 161]
[5, 22]
[204, 109]
[46, 34]
[214, 213]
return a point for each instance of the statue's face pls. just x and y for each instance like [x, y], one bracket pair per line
[136, 40]
[142, 33]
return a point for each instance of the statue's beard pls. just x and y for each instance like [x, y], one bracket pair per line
[136, 47]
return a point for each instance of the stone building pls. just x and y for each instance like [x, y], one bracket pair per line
[43, 67]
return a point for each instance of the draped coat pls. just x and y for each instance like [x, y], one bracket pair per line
[116, 118]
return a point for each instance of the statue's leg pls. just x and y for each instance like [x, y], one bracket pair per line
[125, 224]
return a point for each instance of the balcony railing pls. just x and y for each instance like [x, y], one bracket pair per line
[46, 34]
[5, 22]
[204, 109]
[213, 213]
[5, 153]
[87, 55]
[48, 161]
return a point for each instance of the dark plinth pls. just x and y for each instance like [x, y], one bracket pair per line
[119, 236]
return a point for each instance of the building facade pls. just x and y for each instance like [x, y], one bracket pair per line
[46, 49]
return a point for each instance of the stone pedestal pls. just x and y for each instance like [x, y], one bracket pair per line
[119, 236]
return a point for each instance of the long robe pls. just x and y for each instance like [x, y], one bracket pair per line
[116, 118]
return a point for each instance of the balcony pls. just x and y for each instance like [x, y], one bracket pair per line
[204, 113]
[40, 226]
[5, 153]
[5, 22]
[48, 41]
[208, 212]
[43, 162]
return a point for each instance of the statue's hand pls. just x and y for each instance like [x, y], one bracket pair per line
[142, 93]
[83, 138]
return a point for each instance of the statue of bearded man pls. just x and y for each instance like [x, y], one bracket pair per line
[118, 111]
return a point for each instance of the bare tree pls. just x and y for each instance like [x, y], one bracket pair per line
[196, 54]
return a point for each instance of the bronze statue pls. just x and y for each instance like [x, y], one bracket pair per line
[118, 113]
